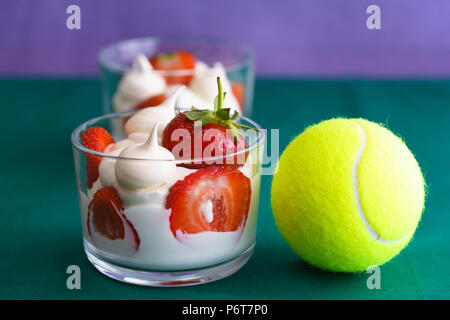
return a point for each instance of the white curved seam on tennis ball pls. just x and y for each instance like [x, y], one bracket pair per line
[359, 208]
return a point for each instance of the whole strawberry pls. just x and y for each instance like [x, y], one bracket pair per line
[202, 134]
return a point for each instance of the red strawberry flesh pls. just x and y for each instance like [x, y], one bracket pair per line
[214, 141]
[151, 102]
[227, 189]
[178, 60]
[238, 90]
[96, 139]
[105, 216]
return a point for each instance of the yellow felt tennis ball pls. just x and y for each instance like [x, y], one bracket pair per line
[348, 194]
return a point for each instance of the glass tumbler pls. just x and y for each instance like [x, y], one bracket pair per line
[168, 235]
[236, 59]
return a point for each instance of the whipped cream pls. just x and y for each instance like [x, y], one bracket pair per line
[159, 249]
[145, 174]
[139, 84]
[144, 120]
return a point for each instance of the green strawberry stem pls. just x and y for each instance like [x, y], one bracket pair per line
[219, 104]
[221, 116]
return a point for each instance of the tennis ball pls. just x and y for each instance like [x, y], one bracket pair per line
[348, 194]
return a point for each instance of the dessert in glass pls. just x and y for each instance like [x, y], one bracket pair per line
[172, 198]
[143, 72]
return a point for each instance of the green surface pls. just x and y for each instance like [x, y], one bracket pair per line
[41, 231]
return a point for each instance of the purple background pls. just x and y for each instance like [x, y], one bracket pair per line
[310, 37]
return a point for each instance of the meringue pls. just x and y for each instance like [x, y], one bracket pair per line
[144, 120]
[139, 84]
[145, 174]
[188, 98]
[132, 139]
[204, 84]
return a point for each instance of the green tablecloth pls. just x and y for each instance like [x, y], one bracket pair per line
[40, 234]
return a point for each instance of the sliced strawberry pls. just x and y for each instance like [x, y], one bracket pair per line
[106, 218]
[97, 139]
[178, 60]
[224, 190]
[238, 89]
[151, 102]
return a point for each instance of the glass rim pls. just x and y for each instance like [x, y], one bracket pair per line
[123, 68]
[76, 141]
